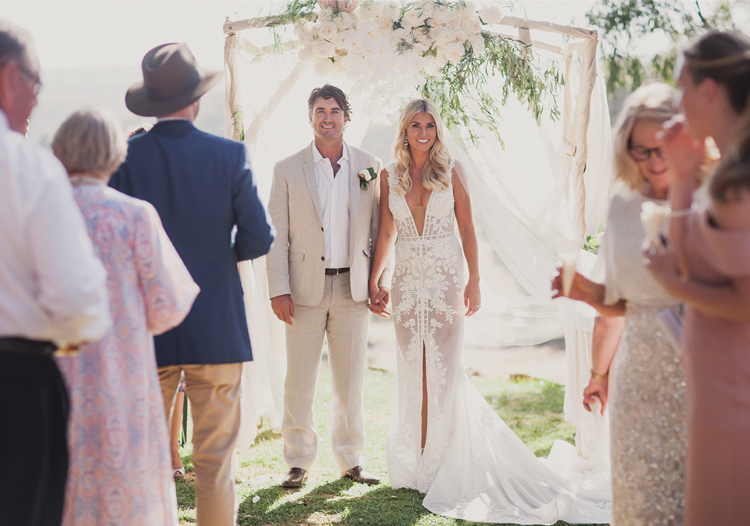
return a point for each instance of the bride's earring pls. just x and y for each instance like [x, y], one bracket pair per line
[406, 142]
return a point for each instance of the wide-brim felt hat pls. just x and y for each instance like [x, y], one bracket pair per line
[172, 80]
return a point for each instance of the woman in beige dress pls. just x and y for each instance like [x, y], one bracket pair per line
[643, 377]
[712, 251]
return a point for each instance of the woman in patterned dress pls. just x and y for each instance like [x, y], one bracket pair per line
[120, 467]
[644, 379]
[444, 439]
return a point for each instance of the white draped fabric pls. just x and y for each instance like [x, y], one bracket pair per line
[521, 197]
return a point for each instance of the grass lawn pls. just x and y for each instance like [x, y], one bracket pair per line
[532, 408]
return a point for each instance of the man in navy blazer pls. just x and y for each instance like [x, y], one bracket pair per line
[202, 187]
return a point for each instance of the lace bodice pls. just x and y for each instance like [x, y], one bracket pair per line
[438, 215]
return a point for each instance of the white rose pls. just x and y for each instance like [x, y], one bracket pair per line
[444, 36]
[412, 18]
[472, 26]
[323, 49]
[454, 21]
[369, 28]
[491, 14]
[454, 52]
[398, 35]
[477, 44]
[323, 68]
[305, 54]
[390, 11]
[343, 21]
[460, 36]
[441, 15]
[327, 30]
[304, 34]
[385, 24]
[325, 15]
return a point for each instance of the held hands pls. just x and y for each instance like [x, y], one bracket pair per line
[283, 308]
[472, 297]
[597, 388]
[379, 297]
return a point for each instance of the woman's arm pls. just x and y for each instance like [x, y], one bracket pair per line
[386, 239]
[589, 292]
[730, 301]
[605, 341]
[472, 295]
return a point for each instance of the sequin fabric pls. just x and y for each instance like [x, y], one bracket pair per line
[648, 424]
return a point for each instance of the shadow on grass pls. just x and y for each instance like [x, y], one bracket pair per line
[337, 502]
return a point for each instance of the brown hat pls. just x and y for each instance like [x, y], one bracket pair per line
[172, 80]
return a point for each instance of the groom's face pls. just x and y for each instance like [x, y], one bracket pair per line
[328, 120]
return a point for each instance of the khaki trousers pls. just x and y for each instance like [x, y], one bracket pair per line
[214, 394]
[344, 322]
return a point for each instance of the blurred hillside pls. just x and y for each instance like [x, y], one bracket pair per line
[66, 90]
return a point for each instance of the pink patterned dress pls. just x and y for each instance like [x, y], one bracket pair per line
[120, 466]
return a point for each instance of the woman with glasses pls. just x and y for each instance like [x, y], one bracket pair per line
[642, 378]
[712, 247]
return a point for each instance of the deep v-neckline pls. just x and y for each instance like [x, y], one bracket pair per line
[426, 211]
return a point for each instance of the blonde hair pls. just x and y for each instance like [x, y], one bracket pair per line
[654, 102]
[436, 174]
[90, 141]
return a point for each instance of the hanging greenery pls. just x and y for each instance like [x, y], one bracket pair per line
[444, 50]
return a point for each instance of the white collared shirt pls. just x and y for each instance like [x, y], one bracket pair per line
[334, 202]
[52, 286]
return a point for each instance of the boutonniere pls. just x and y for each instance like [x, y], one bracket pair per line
[366, 176]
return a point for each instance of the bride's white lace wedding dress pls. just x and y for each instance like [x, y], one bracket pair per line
[473, 466]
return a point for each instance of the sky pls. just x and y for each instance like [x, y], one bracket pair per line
[72, 34]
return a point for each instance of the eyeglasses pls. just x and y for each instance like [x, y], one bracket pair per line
[641, 154]
[30, 75]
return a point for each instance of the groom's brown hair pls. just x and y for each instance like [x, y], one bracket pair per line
[330, 92]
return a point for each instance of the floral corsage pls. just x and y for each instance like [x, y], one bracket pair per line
[366, 176]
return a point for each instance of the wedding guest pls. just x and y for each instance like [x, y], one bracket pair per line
[119, 460]
[203, 189]
[318, 271]
[52, 294]
[644, 382]
[712, 245]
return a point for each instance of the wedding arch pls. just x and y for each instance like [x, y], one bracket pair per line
[540, 175]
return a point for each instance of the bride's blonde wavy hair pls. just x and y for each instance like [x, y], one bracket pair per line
[436, 172]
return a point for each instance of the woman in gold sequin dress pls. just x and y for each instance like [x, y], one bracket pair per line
[712, 244]
[645, 381]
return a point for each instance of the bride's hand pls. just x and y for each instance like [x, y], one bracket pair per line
[379, 297]
[472, 297]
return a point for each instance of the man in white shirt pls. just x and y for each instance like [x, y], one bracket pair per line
[326, 220]
[52, 294]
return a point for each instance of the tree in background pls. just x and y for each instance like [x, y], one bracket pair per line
[624, 23]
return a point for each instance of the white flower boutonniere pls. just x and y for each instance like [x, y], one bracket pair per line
[366, 176]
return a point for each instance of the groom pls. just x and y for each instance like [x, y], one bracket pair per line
[318, 271]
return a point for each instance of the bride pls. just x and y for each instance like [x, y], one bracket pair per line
[444, 439]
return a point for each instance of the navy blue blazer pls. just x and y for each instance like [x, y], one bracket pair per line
[202, 187]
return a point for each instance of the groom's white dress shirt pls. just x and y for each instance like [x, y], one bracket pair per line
[334, 202]
[52, 286]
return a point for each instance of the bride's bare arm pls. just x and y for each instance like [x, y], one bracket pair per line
[383, 246]
[472, 296]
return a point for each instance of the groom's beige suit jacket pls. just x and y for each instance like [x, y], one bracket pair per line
[296, 263]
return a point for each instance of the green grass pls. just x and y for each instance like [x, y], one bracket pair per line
[532, 408]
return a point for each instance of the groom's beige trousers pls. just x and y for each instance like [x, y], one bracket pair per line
[344, 322]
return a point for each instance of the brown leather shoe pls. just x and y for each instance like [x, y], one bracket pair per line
[358, 474]
[296, 478]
